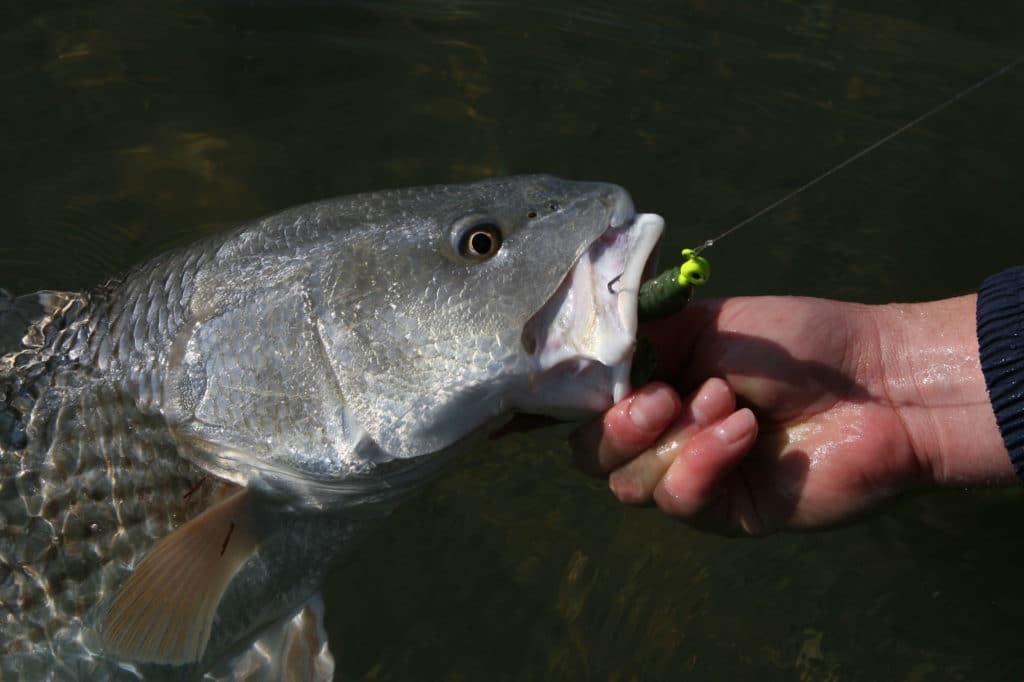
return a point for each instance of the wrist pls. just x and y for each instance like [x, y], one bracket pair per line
[932, 380]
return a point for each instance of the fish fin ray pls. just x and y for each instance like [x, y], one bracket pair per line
[164, 611]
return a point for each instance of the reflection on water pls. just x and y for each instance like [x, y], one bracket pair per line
[132, 126]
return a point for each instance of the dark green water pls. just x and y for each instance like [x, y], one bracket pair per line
[127, 127]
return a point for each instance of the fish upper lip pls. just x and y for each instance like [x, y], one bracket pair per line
[624, 212]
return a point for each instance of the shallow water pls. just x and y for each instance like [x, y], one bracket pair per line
[129, 127]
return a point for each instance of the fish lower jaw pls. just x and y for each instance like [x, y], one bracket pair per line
[573, 389]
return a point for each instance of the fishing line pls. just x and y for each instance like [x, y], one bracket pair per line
[669, 292]
[864, 152]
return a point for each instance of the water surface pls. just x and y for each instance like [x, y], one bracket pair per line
[130, 127]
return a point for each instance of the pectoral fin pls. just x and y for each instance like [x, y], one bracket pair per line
[164, 611]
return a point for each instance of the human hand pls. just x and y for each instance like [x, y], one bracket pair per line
[853, 404]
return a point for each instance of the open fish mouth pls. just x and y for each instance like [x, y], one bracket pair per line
[582, 340]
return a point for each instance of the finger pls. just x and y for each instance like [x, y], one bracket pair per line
[629, 427]
[700, 465]
[634, 482]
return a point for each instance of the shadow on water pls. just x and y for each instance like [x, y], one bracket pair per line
[129, 127]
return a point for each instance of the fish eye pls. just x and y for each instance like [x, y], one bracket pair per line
[479, 241]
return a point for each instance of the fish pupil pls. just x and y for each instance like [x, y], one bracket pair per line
[481, 243]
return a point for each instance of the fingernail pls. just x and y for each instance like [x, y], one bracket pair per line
[736, 427]
[652, 408]
[624, 489]
[712, 401]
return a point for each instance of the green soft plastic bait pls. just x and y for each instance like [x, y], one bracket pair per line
[644, 361]
[662, 296]
[669, 292]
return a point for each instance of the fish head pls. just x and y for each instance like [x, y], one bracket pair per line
[342, 336]
[483, 299]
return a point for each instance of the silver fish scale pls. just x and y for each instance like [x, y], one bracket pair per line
[92, 487]
[90, 473]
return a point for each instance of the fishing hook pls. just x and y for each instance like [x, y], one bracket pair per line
[613, 281]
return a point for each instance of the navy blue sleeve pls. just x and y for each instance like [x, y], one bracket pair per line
[1000, 322]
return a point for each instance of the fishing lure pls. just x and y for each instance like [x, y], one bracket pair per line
[661, 297]
[669, 292]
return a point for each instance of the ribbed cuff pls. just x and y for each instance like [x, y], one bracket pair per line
[1000, 323]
